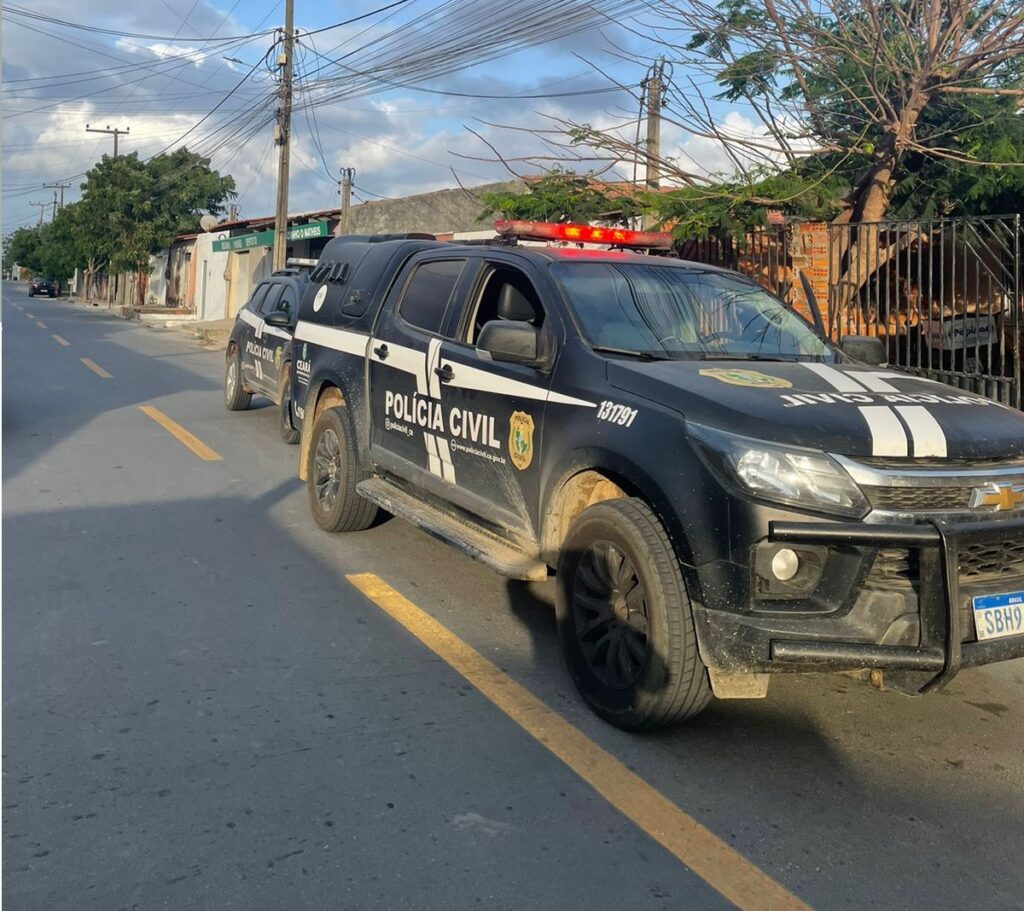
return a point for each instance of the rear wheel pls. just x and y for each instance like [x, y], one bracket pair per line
[332, 473]
[235, 396]
[624, 619]
[284, 409]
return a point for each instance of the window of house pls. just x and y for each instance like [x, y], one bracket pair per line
[428, 292]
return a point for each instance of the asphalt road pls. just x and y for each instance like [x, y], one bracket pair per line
[201, 711]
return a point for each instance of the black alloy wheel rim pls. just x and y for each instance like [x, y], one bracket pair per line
[609, 607]
[327, 469]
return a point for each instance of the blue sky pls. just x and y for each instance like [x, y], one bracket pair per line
[400, 140]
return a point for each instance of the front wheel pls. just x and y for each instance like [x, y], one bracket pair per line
[332, 473]
[235, 396]
[624, 619]
[284, 409]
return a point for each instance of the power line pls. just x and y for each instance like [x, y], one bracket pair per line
[30, 14]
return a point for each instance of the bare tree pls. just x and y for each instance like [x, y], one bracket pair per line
[833, 86]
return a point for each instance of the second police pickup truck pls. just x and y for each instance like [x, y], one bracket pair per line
[259, 350]
[722, 493]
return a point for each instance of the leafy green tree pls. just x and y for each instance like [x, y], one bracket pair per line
[563, 196]
[22, 247]
[130, 208]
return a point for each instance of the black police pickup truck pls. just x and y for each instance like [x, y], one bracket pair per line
[259, 349]
[723, 494]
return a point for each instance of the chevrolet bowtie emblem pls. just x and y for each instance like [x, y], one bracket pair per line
[998, 496]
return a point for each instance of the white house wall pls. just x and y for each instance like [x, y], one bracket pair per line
[211, 286]
[156, 288]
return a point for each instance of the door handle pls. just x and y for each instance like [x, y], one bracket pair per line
[381, 351]
[446, 373]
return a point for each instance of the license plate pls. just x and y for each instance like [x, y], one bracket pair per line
[996, 616]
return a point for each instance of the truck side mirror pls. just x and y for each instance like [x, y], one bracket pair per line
[278, 318]
[512, 341]
[865, 348]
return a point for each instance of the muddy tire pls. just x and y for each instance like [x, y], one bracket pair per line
[332, 473]
[235, 396]
[284, 407]
[624, 619]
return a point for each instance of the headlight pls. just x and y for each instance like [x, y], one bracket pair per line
[804, 478]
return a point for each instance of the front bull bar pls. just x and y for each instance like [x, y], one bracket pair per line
[942, 649]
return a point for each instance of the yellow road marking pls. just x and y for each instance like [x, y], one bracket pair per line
[61, 340]
[720, 866]
[181, 434]
[95, 368]
[40, 324]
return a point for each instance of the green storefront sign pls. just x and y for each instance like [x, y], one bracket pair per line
[266, 238]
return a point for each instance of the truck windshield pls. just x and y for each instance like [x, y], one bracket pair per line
[669, 312]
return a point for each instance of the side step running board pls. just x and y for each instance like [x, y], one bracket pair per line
[490, 550]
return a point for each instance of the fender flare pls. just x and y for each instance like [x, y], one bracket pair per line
[624, 472]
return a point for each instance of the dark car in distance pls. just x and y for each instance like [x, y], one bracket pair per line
[43, 286]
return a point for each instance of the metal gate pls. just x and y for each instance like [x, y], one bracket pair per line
[762, 254]
[945, 295]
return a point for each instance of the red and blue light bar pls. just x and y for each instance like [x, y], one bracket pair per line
[584, 234]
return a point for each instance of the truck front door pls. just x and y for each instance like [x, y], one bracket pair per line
[494, 411]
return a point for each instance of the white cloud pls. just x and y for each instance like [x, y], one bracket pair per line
[162, 51]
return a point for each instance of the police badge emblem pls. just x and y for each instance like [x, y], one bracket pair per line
[752, 378]
[520, 439]
[277, 359]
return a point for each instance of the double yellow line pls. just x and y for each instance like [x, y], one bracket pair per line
[719, 865]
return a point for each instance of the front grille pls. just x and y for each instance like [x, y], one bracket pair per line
[919, 499]
[978, 563]
[991, 561]
[906, 463]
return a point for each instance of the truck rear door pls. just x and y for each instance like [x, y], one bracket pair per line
[407, 435]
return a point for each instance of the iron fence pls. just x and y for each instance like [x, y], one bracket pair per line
[945, 295]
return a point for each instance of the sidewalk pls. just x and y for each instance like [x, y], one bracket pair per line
[210, 334]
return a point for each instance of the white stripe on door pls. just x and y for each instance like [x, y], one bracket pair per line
[433, 362]
[445, 454]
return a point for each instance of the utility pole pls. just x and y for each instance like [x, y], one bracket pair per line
[232, 212]
[345, 184]
[655, 85]
[53, 217]
[58, 186]
[42, 206]
[115, 132]
[283, 131]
